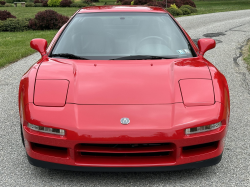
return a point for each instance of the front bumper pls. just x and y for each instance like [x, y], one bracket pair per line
[177, 150]
[193, 165]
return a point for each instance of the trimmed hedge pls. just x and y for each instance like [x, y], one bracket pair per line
[175, 11]
[162, 3]
[5, 15]
[9, 5]
[47, 20]
[65, 3]
[192, 9]
[14, 25]
[54, 3]
[45, 3]
[29, 4]
[2, 2]
[185, 11]
[38, 5]
[78, 4]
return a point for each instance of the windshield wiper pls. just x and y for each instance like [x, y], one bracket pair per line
[68, 55]
[144, 57]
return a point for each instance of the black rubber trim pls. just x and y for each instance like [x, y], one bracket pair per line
[193, 165]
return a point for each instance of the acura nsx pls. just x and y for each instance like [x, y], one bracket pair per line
[123, 88]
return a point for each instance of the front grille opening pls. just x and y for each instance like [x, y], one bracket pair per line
[200, 148]
[49, 150]
[124, 154]
[120, 146]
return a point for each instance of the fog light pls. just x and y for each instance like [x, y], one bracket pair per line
[46, 129]
[202, 128]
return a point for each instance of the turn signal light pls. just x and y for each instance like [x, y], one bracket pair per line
[202, 128]
[46, 129]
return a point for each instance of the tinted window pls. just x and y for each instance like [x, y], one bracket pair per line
[112, 35]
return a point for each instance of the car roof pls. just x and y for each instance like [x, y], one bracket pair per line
[119, 8]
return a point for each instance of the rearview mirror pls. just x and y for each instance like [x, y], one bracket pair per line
[205, 44]
[39, 44]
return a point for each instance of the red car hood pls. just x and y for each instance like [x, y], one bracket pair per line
[123, 82]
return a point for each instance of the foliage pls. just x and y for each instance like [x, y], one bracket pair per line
[5, 14]
[38, 5]
[37, 1]
[132, 2]
[29, 4]
[8, 5]
[10, 1]
[14, 25]
[78, 4]
[127, 2]
[95, 1]
[65, 3]
[185, 11]
[2, 2]
[192, 9]
[174, 11]
[54, 3]
[179, 3]
[138, 2]
[47, 20]
[45, 3]
[173, 6]
[88, 2]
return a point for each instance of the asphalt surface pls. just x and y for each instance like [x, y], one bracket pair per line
[231, 30]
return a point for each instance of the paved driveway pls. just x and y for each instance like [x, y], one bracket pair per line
[231, 30]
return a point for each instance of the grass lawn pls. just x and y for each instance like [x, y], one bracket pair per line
[246, 54]
[211, 6]
[16, 45]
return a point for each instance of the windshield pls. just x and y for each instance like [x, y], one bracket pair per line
[104, 36]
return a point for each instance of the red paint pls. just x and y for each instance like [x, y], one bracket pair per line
[206, 44]
[197, 92]
[87, 98]
[45, 89]
[39, 44]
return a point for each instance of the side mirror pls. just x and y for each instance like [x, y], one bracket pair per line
[206, 44]
[39, 44]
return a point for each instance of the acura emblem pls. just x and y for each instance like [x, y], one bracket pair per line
[125, 121]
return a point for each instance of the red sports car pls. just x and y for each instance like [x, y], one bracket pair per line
[123, 88]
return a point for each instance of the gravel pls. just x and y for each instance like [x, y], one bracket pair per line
[231, 31]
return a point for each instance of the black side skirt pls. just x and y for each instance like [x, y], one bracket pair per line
[193, 165]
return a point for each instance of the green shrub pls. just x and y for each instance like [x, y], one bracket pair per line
[38, 5]
[192, 9]
[79, 4]
[185, 11]
[8, 5]
[54, 3]
[10, 1]
[29, 4]
[173, 6]
[174, 11]
[1, 5]
[14, 25]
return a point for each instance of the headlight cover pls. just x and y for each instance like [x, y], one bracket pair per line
[46, 129]
[51, 93]
[197, 92]
[206, 128]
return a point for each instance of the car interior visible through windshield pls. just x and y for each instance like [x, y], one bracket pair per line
[114, 35]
